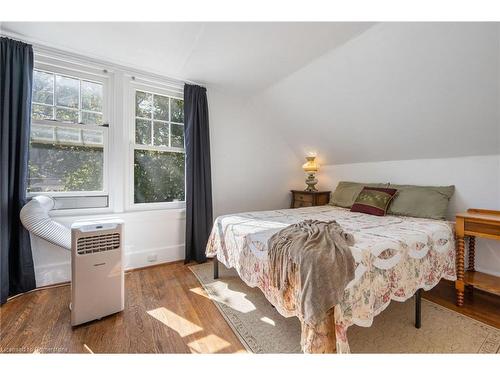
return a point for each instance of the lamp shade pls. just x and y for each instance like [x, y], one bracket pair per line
[310, 165]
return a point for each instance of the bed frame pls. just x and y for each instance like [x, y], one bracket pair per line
[418, 297]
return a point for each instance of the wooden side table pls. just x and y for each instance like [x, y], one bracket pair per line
[475, 223]
[301, 198]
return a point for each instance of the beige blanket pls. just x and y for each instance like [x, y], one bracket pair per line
[325, 264]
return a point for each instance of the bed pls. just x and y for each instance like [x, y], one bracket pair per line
[395, 256]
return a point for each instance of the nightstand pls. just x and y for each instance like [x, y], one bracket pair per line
[475, 223]
[301, 198]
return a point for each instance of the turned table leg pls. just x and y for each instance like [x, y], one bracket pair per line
[472, 250]
[459, 284]
[471, 267]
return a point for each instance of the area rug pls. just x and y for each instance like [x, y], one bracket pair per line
[261, 329]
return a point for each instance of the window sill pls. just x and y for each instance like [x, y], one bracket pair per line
[108, 211]
[136, 214]
[82, 212]
[181, 206]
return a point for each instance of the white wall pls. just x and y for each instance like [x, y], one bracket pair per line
[476, 180]
[252, 167]
[150, 237]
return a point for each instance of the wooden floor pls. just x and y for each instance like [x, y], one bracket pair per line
[166, 312]
[478, 305]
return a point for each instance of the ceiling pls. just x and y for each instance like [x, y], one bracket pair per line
[399, 91]
[242, 57]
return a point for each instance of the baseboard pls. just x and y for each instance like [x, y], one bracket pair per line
[55, 273]
[150, 257]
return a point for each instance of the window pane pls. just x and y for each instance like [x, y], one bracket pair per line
[143, 104]
[142, 132]
[54, 168]
[68, 135]
[67, 91]
[90, 118]
[93, 137]
[67, 115]
[92, 96]
[177, 108]
[160, 134]
[42, 133]
[158, 176]
[43, 87]
[161, 108]
[41, 112]
[177, 135]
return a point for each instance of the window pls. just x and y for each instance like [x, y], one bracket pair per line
[66, 99]
[158, 148]
[83, 162]
[68, 139]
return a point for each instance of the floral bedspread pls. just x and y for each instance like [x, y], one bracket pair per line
[394, 257]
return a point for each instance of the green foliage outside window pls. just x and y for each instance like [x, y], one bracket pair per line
[158, 172]
[65, 168]
[159, 176]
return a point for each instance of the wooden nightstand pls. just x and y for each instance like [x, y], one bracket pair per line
[301, 198]
[475, 223]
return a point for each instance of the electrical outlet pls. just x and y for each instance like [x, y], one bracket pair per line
[152, 258]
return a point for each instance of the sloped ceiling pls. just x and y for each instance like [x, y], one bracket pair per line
[397, 91]
[242, 57]
[348, 92]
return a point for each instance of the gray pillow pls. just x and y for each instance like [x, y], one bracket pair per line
[429, 202]
[346, 192]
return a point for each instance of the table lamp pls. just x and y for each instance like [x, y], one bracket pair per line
[310, 167]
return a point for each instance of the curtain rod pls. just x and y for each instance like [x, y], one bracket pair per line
[95, 62]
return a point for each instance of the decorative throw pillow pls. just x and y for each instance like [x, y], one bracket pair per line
[373, 201]
[346, 192]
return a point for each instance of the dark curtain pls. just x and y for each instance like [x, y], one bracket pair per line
[16, 77]
[198, 174]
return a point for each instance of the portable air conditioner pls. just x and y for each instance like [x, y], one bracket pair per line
[97, 282]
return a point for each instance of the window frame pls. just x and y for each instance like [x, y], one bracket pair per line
[131, 115]
[82, 73]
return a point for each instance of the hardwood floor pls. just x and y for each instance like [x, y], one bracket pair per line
[166, 312]
[478, 305]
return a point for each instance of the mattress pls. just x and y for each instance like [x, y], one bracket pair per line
[395, 256]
